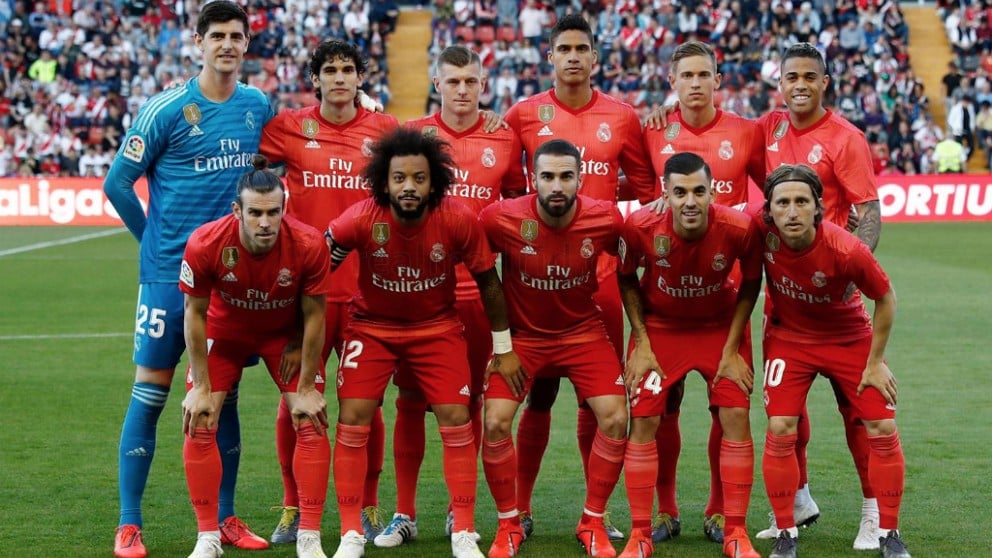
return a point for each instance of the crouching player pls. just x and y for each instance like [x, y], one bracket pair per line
[817, 326]
[248, 278]
[688, 312]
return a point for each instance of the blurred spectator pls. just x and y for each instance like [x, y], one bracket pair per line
[960, 122]
[949, 156]
[533, 20]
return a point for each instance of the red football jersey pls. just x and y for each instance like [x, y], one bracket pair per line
[407, 274]
[607, 133]
[487, 166]
[807, 287]
[549, 274]
[730, 145]
[688, 284]
[254, 296]
[834, 148]
[324, 163]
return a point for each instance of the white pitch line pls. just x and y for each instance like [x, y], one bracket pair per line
[42, 336]
[52, 243]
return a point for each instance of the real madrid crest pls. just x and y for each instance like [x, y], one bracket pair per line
[672, 131]
[380, 233]
[719, 262]
[367, 147]
[488, 158]
[662, 244]
[250, 120]
[285, 278]
[781, 129]
[528, 230]
[437, 253]
[429, 131]
[815, 154]
[546, 113]
[726, 151]
[229, 257]
[604, 134]
[819, 279]
[586, 250]
[193, 116]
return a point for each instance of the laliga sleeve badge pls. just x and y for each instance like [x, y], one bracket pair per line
[186, 275]
[134, 149]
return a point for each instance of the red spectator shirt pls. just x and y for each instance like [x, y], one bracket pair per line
[324, 163]
[253, 295]
[486, 167]
[688, 284]
[807, 287]
[834, 148]
[549, 274]
[730, 145]
[607, 133]
[407, 274]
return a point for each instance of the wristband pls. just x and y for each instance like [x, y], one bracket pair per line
[502, 343]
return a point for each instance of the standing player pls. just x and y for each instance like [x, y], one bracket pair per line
[487, 165]
[732, 147]
[608, 135]
[325, 147]
[809, 134]
[817, 325]
[550, 243]
[691, 308]
[409, 237]
[193, 143]
[249, 278]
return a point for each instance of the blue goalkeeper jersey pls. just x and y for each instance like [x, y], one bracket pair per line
[192, 151]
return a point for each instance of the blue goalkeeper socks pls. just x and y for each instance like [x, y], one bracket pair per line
[229, 444]
[137, 447]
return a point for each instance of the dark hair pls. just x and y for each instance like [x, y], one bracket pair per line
[457, 56]
[220, 11]
[259, 179]
[685, 163]
[793, 173]
[804, 50]
[558, 147]
[402, 142]
[571, 22]
[330, 50]
[693, 48]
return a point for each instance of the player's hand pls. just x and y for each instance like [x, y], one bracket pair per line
[289, 363]
[509, 367]
[853, 219]
[368, 103]
[658, 119]
[309, 404]
[878, 376]
[492, 121]
[198, 410]
[735, 369]
[658, 206]
[640, 361]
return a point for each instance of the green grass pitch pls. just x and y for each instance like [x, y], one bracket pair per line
[65, 317]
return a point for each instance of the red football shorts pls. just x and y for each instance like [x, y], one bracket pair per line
[226, 359]
[680, 352]
[592, 367]
[790, 369]
[436, 359]
[479, 338]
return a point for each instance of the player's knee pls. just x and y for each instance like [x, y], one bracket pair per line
[157, 376]
[497, 427]
[783, 426]
[884, 427]
[736, 423]
[613, 422]
[451, 415]
[644, 429]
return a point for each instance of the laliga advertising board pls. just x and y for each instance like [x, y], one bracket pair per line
[81, 201]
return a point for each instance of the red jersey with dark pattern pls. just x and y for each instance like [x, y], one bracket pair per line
[254, 295]
[688, 283]
[324, 163]
[549, 274]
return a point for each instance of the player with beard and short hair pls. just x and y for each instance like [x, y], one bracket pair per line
[324, 148]
[409, 238]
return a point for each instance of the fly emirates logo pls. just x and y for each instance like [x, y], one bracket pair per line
[592, 166]
[461, 188]
[231, 157]
[555, 278]
[257, 300]
[690, 286]
[794, 290]
[408, 280]
[340, 176]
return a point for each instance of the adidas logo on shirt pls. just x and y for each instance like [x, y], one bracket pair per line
[230, 277]
[773, 147]
[380, 253]
[668, 150]
[663, 263]
[464, 391]
[529, 250]
[545, 131]
[312, 144]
